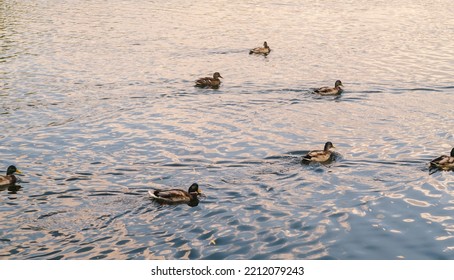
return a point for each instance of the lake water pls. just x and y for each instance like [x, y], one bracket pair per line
[98, 106]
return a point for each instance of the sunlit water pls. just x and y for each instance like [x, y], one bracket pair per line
[98, 107]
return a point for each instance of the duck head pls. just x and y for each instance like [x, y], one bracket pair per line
[338, 83]
[194, 189]
[328, 146]
[12, 169]
[216, 75]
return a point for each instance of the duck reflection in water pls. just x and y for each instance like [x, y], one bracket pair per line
[12, 189]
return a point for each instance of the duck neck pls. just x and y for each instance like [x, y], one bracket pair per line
[12, 178]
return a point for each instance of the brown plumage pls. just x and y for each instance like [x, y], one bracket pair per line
[9, 179]
[329, 90]
[444, 162]
[177, 196]
[209, 82]
[319, 155]
[265, 50]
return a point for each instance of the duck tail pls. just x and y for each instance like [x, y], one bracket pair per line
[152, 194]
[306, 159]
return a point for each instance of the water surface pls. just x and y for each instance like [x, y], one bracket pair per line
[98, 107]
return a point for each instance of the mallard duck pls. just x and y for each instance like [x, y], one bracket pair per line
[259, 50]
[319, 155]
[9, 179]
[209, 82]
[330, 91]
[444, 162]
[176, 196]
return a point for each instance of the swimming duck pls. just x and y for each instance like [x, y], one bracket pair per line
[259, 50]
[444, 162]
[209, 82]
[176, 196]
[319, 155]
[331, 91]
[9, 179]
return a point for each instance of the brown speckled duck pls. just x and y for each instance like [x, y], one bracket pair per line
[444, 162]
[265, 50]
[209, 82]
[177, 196]
[9, 179]
[319, 155]
[329, 90]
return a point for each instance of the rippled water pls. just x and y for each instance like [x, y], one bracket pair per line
[98, 107]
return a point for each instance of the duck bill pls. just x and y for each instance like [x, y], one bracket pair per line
[18, 171]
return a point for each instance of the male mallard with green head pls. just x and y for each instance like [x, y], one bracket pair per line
[319, 155]
[265, 50]
[444, 162]
[329, 90]
[9, 179]
[209, 82]
[176, 196]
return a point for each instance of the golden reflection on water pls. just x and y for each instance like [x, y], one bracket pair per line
[435, 219]
[416, 202]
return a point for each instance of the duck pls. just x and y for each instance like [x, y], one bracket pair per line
[177, 196]
[329, 90]
[265, 50]
[209, 82]
[319, 155]
[444, 162]
[9, 179]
